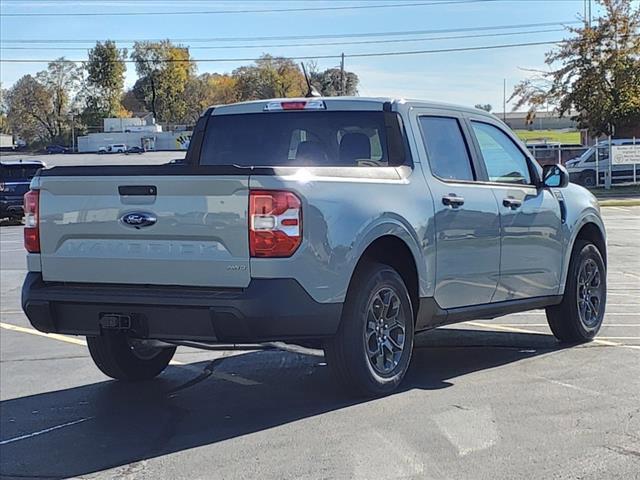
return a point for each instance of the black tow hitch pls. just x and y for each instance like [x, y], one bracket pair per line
[115, 321]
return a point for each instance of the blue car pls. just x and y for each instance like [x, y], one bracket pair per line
[15, 177]
[57, 149]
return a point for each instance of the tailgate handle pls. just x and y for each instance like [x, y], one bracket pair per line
[138, 190]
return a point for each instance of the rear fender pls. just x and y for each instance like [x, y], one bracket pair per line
[393, 225]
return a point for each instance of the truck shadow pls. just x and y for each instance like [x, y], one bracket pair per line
[247, 393]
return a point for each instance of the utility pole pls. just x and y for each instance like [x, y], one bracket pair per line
[342, 82]
[504, 101]
[73, 134]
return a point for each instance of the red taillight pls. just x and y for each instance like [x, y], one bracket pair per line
[293, 105]
[275, 223]
[32, 221]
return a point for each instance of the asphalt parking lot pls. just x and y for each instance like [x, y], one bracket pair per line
[495, 399]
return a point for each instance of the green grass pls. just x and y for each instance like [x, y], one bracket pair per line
[560, 136]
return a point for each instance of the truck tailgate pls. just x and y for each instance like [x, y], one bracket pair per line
[155, 229]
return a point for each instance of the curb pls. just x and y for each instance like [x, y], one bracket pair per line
[620, 203]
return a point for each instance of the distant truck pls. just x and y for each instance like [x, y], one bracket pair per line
[582, 169]
[6, 142]
[113, 148]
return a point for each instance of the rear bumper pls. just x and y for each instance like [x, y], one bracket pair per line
[267, 310]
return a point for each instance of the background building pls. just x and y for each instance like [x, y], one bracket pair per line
[135, 132]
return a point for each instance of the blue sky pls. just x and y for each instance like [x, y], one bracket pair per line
[458, 77]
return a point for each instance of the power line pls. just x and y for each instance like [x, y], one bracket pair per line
[311, 57]
[296, 45]
[256, 10]
[305, 37]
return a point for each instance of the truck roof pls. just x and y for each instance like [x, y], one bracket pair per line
[28, 163]
[348, 103]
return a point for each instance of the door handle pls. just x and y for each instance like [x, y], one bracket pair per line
[452, 200]
[512, 203]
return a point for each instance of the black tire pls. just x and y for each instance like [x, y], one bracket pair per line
[588, 179]
[116, 356]
[566, 320]
[348, 352]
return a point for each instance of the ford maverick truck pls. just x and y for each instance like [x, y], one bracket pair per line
[348, 224]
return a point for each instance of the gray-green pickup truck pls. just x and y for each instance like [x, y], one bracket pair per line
[348, 224]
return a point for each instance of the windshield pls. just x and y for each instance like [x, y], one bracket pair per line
[339, 138]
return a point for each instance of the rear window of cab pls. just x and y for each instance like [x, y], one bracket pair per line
[305, 138]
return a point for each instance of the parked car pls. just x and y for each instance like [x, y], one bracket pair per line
[134, 150]
[117, 148]
[582, 169]
[50, 149]
[15, 177]
[349, 224]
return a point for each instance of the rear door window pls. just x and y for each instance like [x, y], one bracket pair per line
[326, 138]
[446, 148]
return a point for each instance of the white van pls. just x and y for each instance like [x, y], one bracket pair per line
[582, 169]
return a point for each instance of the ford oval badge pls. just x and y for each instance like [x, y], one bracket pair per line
[138, 219]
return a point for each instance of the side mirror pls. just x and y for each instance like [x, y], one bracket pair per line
[555, 176]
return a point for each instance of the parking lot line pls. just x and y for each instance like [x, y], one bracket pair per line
[46, 430]
[495, 326]
[619, 338]
[608, 314]
[77, 341]
[32, 331]
[546, 324]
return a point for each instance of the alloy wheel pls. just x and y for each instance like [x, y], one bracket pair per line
[385, 331]
[590, 293]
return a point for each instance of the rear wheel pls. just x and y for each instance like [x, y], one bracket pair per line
[579, 316]
[124, 358]
[589, 179]
[371, 352]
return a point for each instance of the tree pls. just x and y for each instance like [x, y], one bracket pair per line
[39, 108]
[486, 107]
[596, 73]
[332, 82]
[164, 70]
[206, 90]
[4, 107]
[131, 103]
[62, 79]
[105, 80]
[31, 112]
[270, 77]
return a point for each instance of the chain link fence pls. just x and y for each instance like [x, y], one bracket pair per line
[592, 166]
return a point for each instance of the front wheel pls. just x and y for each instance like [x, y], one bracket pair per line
[579, 316]
[371, 352]
[124, 358]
